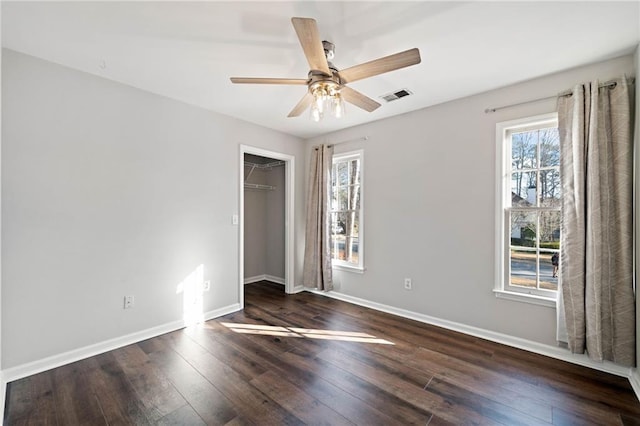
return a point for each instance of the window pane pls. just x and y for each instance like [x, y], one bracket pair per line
[342, 198]
[350, 194]
[352, 224]
[339, 225]
[548, 271]
[523, 229]
[334, 247]
[343, 173]
[334, 219]
[354, 198]
[523, 268]
[338, 247]
[334, 199]
[550, 230]
[355, 171]
[530, 268]
[353, 246]
[549, 147]
[523, 150]
[550, 189]
[523, 189]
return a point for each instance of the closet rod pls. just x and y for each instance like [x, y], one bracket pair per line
[611, 84]
[259, 186]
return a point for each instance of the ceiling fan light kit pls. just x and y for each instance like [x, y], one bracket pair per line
[326, 98]
[327, 90]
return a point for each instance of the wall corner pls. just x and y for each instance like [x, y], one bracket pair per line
[636, 196]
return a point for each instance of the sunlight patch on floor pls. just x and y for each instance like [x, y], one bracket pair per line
[269, 330]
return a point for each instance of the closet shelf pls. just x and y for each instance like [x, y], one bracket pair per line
[259, 186]
[265, 166]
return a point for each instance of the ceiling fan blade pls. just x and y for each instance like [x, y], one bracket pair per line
[380, 66]
[250, 80]
[302, 105]
[307, 31]
[358, 99]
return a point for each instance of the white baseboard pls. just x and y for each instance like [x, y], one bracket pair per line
[275, 279]
[516, 342]
[264, 277]
[634, 379]
[257, 278]
[298, 289]
[34, 367]
[222, 311]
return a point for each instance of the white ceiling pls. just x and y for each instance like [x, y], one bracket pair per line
[188, 50]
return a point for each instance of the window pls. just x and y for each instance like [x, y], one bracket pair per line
[529, 198]
[346, 210]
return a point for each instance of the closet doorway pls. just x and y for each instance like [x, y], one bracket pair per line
[266, 218]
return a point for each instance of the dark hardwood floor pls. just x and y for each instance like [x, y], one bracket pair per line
[308, 359]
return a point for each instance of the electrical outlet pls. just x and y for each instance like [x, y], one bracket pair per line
[407, 284]
[206, 286]
[235, 219]
[129, 302]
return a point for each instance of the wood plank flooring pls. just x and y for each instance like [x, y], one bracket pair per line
[308, 359]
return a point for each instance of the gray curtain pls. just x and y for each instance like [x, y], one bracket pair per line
[317, 246]
[595, 124]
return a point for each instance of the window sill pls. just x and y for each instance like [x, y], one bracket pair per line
[526, 298]
[354, 269]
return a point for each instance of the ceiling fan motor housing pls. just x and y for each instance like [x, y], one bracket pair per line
[325, 84]
[329, 49]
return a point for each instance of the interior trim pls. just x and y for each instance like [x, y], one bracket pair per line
[38, 366]
[526, 298]
[516, 342]
[264, 277]
[634, 379]
[289, 220]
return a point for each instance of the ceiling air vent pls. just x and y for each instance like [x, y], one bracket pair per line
[396, 95]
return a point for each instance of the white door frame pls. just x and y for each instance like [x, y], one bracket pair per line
[289, 218]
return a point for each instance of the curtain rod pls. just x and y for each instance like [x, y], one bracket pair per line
[361, 138]
[611, 84]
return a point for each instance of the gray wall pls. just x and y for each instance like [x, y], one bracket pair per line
[2, 387]
[109, 191]
[255, 236]
[429, 200]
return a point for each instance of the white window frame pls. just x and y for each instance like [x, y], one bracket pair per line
[502, 288]
[341, 264]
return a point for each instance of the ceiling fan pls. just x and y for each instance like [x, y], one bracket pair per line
[326, 84]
